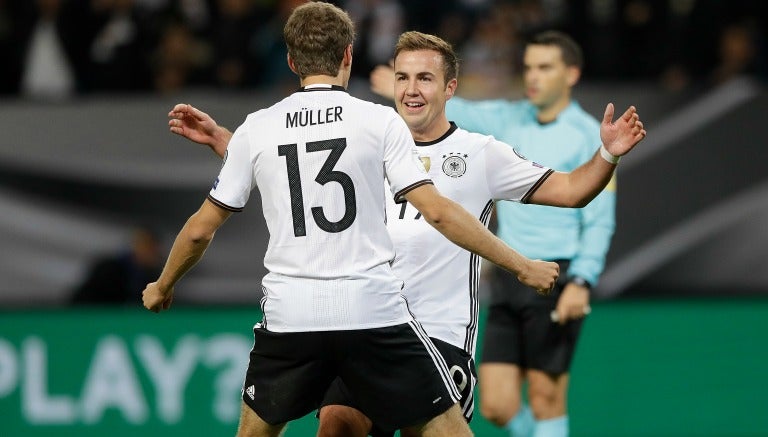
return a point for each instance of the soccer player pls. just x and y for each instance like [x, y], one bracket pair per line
[441, 279]
[332, 306]
[521, 342]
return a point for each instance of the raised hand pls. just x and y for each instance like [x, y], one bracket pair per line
[383, 81]
[195, 125]
[540, 275]
[621, 136]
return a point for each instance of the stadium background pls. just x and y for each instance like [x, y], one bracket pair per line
[675, 345]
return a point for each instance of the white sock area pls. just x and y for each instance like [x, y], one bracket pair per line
[522, 424]
[555, 427]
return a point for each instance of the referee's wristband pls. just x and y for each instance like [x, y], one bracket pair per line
[613, 159]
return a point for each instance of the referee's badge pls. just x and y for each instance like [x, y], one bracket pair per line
[426, 161]
[454, 164]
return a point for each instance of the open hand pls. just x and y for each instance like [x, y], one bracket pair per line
[621, 136]
[195, 125]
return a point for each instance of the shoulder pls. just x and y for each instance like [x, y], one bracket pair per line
[277, 108]
[369, 112]
[471, 140]
[487, 146]
[582, 123]
[577, 116]
[367, 104]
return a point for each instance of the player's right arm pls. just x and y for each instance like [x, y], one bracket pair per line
[466, 231]
[188, 248]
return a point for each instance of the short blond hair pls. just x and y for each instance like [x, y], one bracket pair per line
[412, 41]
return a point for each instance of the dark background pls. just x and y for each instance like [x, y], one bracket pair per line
[84, 162]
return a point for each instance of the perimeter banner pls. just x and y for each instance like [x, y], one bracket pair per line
[127, 372]
[123, 372]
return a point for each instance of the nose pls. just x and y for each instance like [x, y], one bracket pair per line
[411, 89]
[530, 76]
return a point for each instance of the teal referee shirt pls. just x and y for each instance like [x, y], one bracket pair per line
[581, 235]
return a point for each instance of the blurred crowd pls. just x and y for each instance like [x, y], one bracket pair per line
[57, 49]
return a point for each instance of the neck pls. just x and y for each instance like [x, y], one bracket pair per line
[323, 79]
[551, 112]
[432, 132]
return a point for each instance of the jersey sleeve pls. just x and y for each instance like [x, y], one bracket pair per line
[598, 222]
[403, 168]
[510, 176]
[235, 181]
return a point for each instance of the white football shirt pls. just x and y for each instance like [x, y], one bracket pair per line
[441, 278]
[319, 158]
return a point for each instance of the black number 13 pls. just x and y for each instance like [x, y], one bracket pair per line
[326, 174]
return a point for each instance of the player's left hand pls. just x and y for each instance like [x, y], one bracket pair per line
[155, 299]
[621, 136]
[573, 303]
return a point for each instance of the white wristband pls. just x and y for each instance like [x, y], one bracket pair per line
[613, 159]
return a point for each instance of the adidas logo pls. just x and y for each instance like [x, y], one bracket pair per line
[250, 391]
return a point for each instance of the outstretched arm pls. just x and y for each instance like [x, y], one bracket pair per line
[579, 187]
[466, 231]
[197, 126]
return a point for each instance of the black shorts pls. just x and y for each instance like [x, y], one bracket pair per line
[519, 329]
[463, 372]
[395, 374]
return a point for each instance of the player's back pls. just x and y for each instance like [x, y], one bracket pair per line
[319, 158]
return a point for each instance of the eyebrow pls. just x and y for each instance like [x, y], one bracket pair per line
[421, 73]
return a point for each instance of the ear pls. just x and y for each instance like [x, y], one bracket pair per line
[291, 64]
[348, 56]
[450, 88]
[572, 75]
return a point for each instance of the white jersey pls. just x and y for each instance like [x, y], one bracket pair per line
[319, 158]
[441, 279]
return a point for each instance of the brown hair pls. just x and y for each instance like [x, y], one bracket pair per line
[316, 35]
[412, 41]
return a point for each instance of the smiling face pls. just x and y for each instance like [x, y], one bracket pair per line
[548, 80]
[421, 92]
